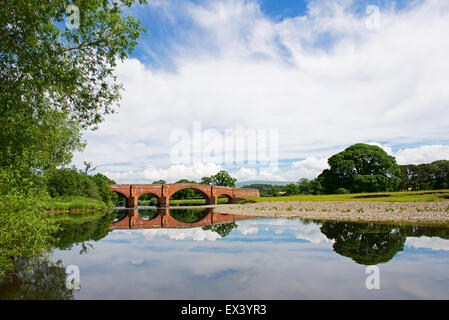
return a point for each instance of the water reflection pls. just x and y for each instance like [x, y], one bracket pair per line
[371, 244]
[36, 281]
[365, 243]
[166, 218]
[77, 229]
[201, 254]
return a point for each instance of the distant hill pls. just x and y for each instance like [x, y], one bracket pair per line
[275, 183]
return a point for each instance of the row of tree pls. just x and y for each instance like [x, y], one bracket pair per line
[426, 176]
[366, 168]
[72, 182]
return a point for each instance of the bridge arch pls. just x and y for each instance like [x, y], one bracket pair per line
[164, 191]
[120, 216]
[157, 196]
[227, 192]
[199, 190]
[147, 214]
[122, 198]
[229, 198]
[189, 216]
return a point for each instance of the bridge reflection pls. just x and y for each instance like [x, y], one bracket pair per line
[163, 219]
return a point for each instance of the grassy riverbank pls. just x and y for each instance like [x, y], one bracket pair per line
[73, 203]
[405, 196]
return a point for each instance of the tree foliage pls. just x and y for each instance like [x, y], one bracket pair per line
[265, 190]
[72, 182]
[291, 189]
[55, 80]
[426, 176]
[222, 178]
[187, 193]
[25, 230]
[361, 168]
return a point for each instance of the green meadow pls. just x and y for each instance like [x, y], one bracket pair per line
[403, 196]
[74, 203]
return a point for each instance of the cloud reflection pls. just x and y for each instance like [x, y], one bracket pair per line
[433, 243]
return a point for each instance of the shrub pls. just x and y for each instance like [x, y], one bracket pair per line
[342, 191]
[26, 231]
[71, 182]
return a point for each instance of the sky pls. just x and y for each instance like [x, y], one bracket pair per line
[308, 78]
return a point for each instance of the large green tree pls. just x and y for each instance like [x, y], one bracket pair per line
[55, 80]
[361, 168]
[222, 178]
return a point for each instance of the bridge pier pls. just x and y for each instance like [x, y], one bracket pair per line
[131, 202]
[163, 201]
[212, 200]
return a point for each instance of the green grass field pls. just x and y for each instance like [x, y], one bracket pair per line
[187, 202]
[405, 196]
[74, 203]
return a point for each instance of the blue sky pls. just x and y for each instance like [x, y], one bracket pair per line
[322, 74]
[163, 30]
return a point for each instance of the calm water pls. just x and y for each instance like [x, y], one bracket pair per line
[256, 258]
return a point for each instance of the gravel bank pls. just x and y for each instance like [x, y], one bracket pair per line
[346, 210]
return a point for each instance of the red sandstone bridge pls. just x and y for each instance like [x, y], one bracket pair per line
[164, 220]
[163, 192]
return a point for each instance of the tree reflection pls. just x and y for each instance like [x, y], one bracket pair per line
[427, 231]
[188, 215]
[81, 229]
[365, 243]
[147, 214]
[35, 281]
[222, 229]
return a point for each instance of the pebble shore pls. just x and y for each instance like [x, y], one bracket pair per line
[422, 212]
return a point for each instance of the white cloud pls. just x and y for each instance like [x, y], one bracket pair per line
[170, 174]
[247, 230]
[309, 167]
[424, 154]
[196, 234]
[246, 174]
[323, 80]
[308, 232]
[387, 148]
[433, 243]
